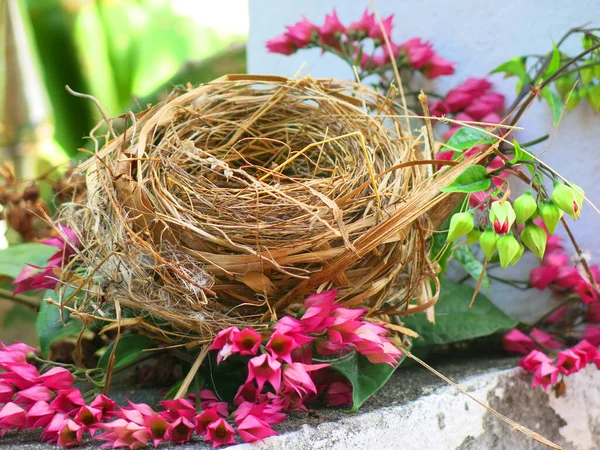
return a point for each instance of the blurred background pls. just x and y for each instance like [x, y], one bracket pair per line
[125, 53]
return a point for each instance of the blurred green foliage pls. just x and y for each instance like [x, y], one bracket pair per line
[118, 50]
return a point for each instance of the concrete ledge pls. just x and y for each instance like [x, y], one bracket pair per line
[416, 410]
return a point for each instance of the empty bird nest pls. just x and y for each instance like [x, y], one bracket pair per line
[228, 203]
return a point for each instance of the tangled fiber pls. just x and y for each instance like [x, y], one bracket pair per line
[228, 203]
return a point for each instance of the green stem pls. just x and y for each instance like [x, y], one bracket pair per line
[21, 299]
[535, 141]
[583, 66]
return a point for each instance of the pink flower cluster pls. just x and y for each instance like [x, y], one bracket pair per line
[558, 273]
[547, 372]
[282, 377]
[284, 372]
[33, 277]
[548, 357]
[31, 400]
[334, 36]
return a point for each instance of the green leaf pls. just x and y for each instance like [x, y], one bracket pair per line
[14, 258]
[49, 323]
[593, 97]
[554, 103]
[514, 67]
[366, 377]
[467, 137]
[473, 179]
[129, 348]
[518, 152]
[455, 321]
[554, 62]
[465, 257]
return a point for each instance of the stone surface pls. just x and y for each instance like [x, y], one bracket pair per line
[417, 410]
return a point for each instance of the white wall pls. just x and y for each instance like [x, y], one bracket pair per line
[477, 35]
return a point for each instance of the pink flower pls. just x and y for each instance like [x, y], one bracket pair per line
[205, 418]
[376, 348]
[181, 407]
[281, 44]
[553, 243]
[296, 377]
[70, 434]
[362, 27]
[557, 315]
[289, 326]
[533, 360]
[246, 393]
[439, 109]
[246, 342]
[478, 109]
[556, 259]
[567, 277]
[501, 228]
[281, 346]
[15, 353]
[319, 307]
[52, 430]
[586, 351]
[57, 378]
[593, 313]
[418, 53]
[68, 401]
[180, 431]
[438, 66]
[375, 31]
[516, 341]
[220, 433]
[12, 416]
[157, 426]
[39, 415]
[491, 118]
[33, 394]
[20, 375]
[339, 393]
[592, 335]
[6, 392]
[545, 339]
[252, 429]
[545, 375]
[301, 33]
[586, 291]
[224, 343]
[331, 31]
[208, 399]
[568, 362]
[66, 241]
[541, 277]
[88, 417]
[104, 404]
[34, 277]
[267, 411]
[122, 433]
[263, 369]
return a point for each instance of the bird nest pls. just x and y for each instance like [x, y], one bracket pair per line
[228, 203]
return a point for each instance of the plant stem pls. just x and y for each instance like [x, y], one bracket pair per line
[535, 141]
[21, 299]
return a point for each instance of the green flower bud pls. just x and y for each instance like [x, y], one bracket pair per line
[460, 225]
[508, 249]
[551, 214]
[579, 195]
[518, 255]
[488, 241]
[534, 238]
[563, 196]
[473, 236]
[525, 207]
[502, 216]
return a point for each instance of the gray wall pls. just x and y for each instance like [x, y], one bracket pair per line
[478, 36]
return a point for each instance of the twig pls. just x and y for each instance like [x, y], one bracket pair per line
[21, 299]
[183, 389]
[98, 105]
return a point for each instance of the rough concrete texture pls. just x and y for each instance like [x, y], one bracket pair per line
[416, 410]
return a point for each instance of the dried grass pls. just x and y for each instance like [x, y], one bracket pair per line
[228, 203]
